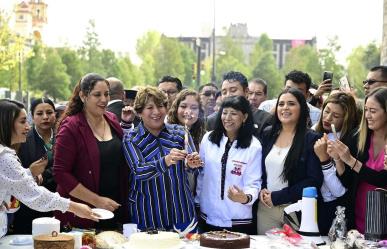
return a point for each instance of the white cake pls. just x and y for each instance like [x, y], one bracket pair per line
[160, 240]
[45, 225]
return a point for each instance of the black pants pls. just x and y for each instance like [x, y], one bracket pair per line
[245, 228]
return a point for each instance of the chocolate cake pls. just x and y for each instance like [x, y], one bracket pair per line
[225, 239]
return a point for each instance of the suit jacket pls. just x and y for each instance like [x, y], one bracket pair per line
[77, 160]
[308, 172]
[261, 120]
[116, 108]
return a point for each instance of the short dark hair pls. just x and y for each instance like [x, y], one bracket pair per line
[39, 101]
[245, 132]
[236, 76]
[208, 84]
[168, 78]
[299, 77]
[382, 69]
[295, 151]
[261, 82]
[9, 111]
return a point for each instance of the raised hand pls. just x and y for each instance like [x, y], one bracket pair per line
[320, 148]
[236, 194]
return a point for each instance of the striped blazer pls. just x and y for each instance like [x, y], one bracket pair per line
[159, 196]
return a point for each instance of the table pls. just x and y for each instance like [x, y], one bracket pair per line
[258, 241]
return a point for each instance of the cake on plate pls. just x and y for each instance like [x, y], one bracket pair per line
[154, 239]
[225, 239]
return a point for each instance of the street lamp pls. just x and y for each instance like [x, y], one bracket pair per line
[198, 62]
[213, 73]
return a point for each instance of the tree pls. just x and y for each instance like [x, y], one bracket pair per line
[11, 47]
[168, 59]
[73, 64]
[53, 78]
[232, 58]
[34, 65]
[145, 48]
[128, 72]
[304, 58]
[90, 53]
[263, 65]
[328, 60]
[188, 58]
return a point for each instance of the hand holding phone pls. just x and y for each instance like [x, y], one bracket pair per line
[334, 131]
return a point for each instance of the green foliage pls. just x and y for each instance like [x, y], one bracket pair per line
[263, 65]
[304, 58]
[232, 58]
[188, 58]
[54, 80]
[34, 66]
[359, 62]
[91, 55]
[329, 62]
[73, 64]
[168, 59]
[146, 47]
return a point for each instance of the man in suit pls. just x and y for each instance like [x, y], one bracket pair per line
[117, 96]
[235, 84]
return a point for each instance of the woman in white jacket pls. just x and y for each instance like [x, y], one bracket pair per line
[18, 181]
[230, 180]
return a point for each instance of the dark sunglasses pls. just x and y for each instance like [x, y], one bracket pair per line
[371, 81]
[209, 93]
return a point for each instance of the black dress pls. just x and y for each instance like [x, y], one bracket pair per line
[111, 159]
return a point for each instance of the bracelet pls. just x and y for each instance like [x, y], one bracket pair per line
[249, 198]
[354, 165]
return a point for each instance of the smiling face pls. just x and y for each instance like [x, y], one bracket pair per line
[44, 116]
[153, 116]
[288, 110]
[96, 101]
[332, 114]
[232, 121]
[20, 128]
[188, 111]
[375, 115]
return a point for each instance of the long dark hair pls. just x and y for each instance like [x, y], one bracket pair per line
[297, 146]
[9, 111]
[197, 130]
[86, 85]
[245, 132]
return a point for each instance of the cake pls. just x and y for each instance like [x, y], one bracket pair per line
[153, 240]
[225, 239]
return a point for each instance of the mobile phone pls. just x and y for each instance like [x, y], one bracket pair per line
[328, 75]
[344, 84]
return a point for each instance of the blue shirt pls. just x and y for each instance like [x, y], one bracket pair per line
[159, 195]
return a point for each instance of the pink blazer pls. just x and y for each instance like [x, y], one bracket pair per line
[77, 160]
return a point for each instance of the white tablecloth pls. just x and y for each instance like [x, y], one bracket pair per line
[257, 241]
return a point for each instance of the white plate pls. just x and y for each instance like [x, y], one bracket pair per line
[21, 241]
[103, 213]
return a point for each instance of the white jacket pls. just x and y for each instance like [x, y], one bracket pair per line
[243, 170]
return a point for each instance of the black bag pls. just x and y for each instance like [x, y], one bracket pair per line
[376, 215]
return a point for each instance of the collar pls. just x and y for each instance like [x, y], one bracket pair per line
[51, 137]
[113, 101]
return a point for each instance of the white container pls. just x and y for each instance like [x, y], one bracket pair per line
[45, 225]
[129, 229]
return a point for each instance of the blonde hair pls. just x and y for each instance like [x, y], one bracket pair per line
[380, 95]
[145, 94]
[348, 104]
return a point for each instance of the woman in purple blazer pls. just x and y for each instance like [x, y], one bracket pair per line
[89, 165]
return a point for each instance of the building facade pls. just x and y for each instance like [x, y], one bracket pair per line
[281, 47]
[30, 19]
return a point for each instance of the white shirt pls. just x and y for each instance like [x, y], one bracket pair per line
[243, 169]
[275, 162]
[314, 112]
[18, 181]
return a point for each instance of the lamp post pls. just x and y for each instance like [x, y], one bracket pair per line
[198, 69]
[213, 73]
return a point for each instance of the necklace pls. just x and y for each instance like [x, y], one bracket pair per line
[99, 137]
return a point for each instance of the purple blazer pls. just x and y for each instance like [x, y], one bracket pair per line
[77, 160]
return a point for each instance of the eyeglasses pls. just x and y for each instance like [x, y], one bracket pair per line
[209, 93]
[371, 81]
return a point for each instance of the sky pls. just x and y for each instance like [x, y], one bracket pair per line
[119, 23]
